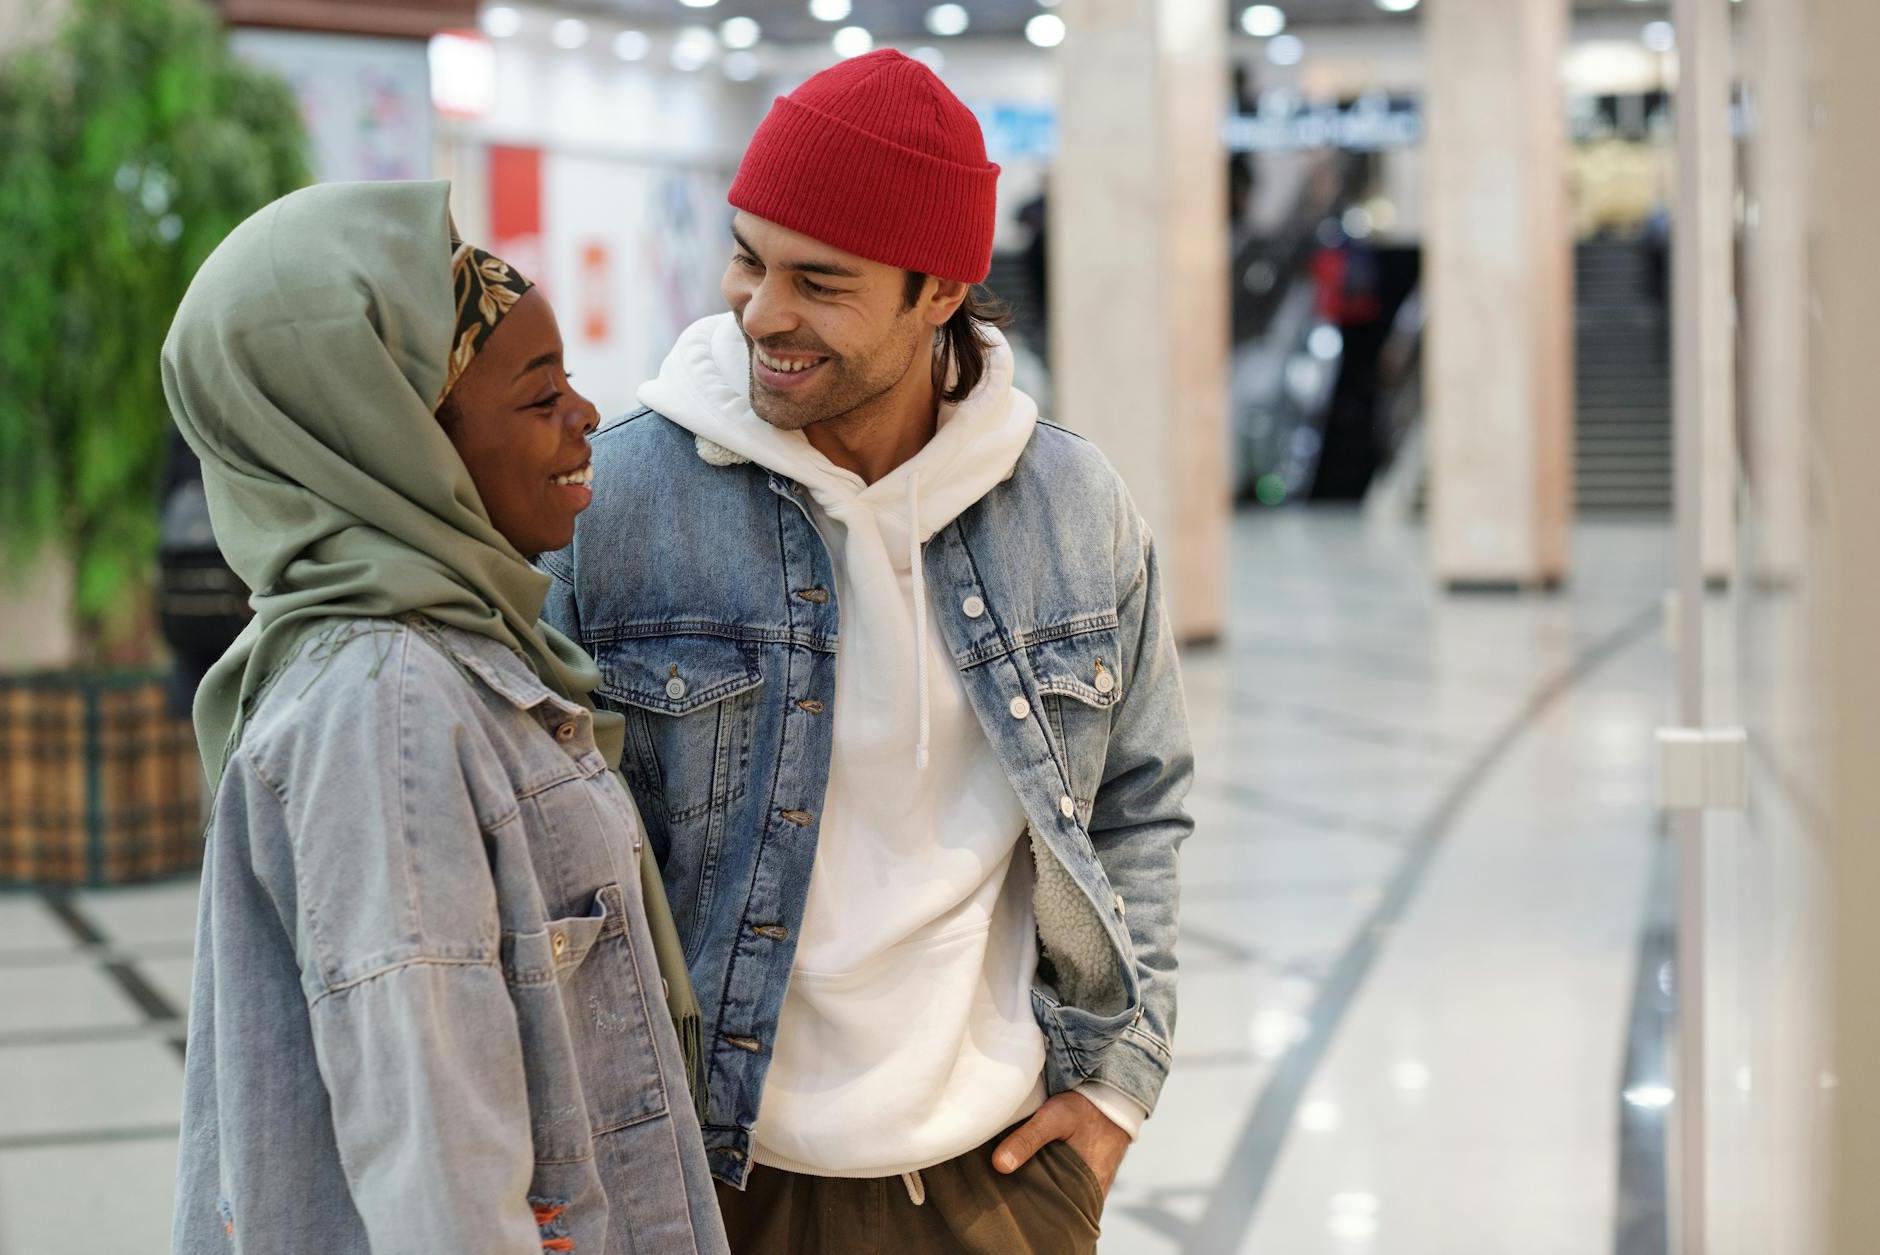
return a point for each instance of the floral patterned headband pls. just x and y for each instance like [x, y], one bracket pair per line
[486, 288]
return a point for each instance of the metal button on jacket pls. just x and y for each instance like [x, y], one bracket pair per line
[675, 688]
[1066, 807]
[973, 607]
[1021, 709]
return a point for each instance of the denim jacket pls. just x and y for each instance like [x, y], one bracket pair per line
[426, 1014]
[701, 586]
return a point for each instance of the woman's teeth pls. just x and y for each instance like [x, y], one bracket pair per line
[577, 479]
[786, 367]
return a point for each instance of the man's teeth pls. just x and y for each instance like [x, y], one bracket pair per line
[787, 368]
[579, 479]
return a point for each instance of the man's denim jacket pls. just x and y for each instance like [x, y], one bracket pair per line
[701, 586]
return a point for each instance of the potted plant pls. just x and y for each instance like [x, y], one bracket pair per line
[130, 144]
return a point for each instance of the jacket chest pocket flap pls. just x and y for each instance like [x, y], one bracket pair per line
[1080, 678]
[691, 704]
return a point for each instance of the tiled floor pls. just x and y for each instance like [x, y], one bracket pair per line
[1411, 918]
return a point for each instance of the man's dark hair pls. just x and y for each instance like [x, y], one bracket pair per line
[962, 344]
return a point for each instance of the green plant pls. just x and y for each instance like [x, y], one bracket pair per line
[129, 146]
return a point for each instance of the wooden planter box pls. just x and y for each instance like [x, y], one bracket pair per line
[99, 783]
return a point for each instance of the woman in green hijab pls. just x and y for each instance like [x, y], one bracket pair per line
[428, 1011]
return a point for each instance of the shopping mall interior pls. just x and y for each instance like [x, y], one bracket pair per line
[1494, 377]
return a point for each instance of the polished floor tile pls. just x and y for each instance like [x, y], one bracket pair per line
[1411, 909]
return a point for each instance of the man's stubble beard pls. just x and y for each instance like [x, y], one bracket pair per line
[844, 394]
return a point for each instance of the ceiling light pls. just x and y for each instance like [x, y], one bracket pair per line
[742, 67]
[930, 57]
[694, 47]
[501, 22]
[463, 74]
[830, 10]
[1397, 6]
[740, 32]
[1046, 30]
[1263, 21]
[698, 4]
[1659, 36]
[852, 41]
[947, 20]
[632, 45]
[1286, 50]
[569, 33]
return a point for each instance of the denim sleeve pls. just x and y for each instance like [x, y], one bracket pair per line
[559, 610]
[395, 914]
[1138, 821]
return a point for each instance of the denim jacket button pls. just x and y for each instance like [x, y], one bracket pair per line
[675, 688]
[1021, 709]
[973, 607]
[1105, 681]
[1066, 807]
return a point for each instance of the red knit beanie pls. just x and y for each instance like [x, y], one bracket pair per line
[877, 158]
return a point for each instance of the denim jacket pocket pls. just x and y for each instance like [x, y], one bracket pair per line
[690, 706]
[584, 1016]
[1080, 678]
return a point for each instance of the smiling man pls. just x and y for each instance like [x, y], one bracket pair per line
[904, 714]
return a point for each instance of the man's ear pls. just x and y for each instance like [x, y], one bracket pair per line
[942, 300]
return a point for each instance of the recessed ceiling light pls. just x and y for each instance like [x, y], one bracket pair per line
[947, 20]
[1397, 6]
[632, 45]
[1046, 30]
[569, 33]
[501, 22]
[830, 10]
[698, 4]
[852, 41]
[1263, 21]
[694, 47]
[740, 32]
[930, 57]
[1286, 50]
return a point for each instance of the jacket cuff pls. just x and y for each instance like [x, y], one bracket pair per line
[1121, 1110]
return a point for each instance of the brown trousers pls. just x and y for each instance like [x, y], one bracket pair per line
[1050, 1206]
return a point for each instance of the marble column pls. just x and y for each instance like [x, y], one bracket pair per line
[1704, 265]
[1499, 273]
[1139, 273]
[1775, 297]
[1845, 267]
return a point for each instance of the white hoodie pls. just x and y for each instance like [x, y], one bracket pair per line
[907, 1036]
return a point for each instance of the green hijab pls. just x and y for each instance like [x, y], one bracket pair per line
[303, 368]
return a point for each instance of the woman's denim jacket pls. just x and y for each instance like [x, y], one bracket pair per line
[426, 1013]
[702, 588]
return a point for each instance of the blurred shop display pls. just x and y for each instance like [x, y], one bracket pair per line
[129, 146]
[366, 101]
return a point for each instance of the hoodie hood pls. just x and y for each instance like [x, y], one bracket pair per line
[705, 387]
[875, 531]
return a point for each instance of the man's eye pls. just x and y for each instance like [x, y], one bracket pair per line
[548, 402]
[749, 263]
[818, 288]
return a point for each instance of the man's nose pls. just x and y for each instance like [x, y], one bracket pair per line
[769, 311]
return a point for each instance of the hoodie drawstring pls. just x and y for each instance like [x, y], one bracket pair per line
[916, 1188]
[917, 569]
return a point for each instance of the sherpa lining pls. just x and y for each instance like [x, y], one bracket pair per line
[1073, 937]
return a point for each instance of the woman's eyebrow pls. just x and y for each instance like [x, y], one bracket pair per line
[546, 359]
